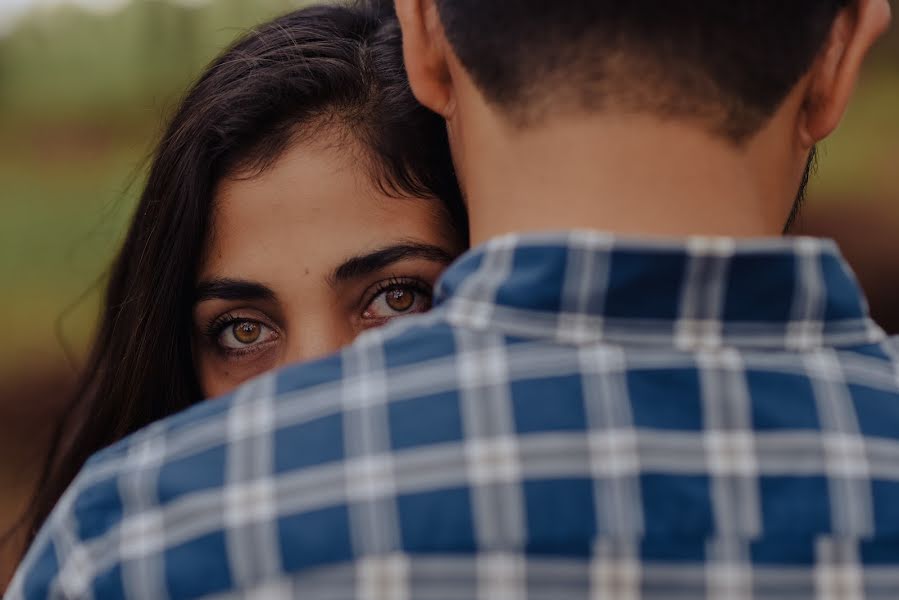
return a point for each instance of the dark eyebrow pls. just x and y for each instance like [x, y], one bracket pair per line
[369, 263]
[232, 289]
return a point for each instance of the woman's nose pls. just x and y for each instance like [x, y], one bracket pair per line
[314, 338]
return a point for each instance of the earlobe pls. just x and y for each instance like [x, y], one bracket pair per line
[833, 77]
[424, 53]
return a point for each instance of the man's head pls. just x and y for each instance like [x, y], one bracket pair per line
[727, 65]
[724, 67]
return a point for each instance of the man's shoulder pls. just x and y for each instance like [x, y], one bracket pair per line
[193, 458]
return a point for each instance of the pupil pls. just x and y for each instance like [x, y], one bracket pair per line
[246, 333]
[400, 300]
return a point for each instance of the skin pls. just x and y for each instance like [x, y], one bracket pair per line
[303, 258]
[633, 174]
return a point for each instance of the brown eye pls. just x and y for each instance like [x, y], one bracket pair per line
[247, 332]
[400, 299]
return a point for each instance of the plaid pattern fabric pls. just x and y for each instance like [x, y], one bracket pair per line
[581, 417]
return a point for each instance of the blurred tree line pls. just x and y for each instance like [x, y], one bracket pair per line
[64, 63]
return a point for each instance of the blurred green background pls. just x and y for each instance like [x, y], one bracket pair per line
[83, 97]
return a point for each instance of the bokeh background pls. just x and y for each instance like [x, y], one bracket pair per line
[85, 86]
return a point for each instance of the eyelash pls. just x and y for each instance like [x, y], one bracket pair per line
[215, 327]
[214, 330]
[417, 285]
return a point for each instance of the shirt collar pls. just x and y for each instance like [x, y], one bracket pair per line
[586, 287]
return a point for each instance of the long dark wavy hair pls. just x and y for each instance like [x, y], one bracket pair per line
[334, 66]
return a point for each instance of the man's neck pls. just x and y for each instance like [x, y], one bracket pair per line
[624, 175]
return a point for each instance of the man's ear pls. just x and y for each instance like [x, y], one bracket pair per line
[833, 77]
[424, 51]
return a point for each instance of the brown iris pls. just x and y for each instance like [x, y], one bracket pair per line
[400, 300]
[247, 332]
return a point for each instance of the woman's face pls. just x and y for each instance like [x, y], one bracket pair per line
[303, 258]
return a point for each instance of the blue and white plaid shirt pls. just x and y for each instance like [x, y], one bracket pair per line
[581, 417]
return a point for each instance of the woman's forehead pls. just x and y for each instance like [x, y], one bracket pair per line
[312, 206]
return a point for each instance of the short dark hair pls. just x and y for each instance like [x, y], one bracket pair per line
[725, 63]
